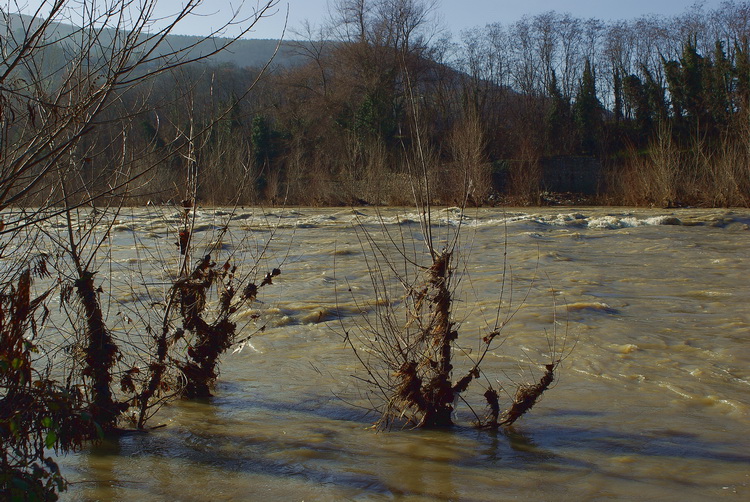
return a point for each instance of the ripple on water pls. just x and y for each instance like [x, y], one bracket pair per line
[669, 346]
[591, 307]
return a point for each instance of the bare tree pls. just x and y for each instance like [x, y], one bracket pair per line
[68, 67]
[67, 76]
[408, 348]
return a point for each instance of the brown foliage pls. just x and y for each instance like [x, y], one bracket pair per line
[36, 412]
[525, 399]
[423, 382]
[101, 355]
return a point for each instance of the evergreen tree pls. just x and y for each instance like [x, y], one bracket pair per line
[677, 98]
[720, 78]
[260, 139]
[557, 120]
[617, 90]
[587, 112]
[655, 93]
[636, 97]
[687, 83]
[694, 70]
[742, 75]
[376, 117]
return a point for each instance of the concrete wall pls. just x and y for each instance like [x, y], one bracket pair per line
[572, 174]
[581, 175]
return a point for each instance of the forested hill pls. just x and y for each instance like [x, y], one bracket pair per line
[242, 53]
[648, 111]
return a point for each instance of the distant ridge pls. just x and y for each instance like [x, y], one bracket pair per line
[242, 53]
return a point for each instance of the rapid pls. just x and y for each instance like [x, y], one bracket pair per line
[646, 308]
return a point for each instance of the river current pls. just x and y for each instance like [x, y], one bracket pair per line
[648, 310]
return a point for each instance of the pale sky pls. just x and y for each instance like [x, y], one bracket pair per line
[455, 15]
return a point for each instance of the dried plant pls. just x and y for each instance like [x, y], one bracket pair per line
[408, 346]
[58, 83]
[209, 332]
[37, 413]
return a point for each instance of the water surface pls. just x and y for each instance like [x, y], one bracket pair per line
[652, 403]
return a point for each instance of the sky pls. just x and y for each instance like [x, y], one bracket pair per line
[454, 15]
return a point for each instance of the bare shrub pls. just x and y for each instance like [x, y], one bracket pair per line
[725, 169]
[669, 176]
[37, 413]
[207, 297]
[413, 362]
[58, 84]
[524, 181]
[407, 347]
[469, 174]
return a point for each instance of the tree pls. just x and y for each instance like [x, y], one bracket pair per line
[558, 119]
[636, 97]
[720, 86]
[587, 112]
[742, 84]
[383, 40]
[64, 138]
[686, 80]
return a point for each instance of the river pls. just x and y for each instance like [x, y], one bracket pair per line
[648, 310]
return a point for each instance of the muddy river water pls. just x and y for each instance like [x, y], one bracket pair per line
[651, 401]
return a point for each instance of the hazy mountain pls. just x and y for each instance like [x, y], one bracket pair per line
[243, 53]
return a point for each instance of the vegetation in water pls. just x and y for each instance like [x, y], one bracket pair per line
[69, 101]
[101, 114]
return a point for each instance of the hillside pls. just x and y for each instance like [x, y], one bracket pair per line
[242, 53]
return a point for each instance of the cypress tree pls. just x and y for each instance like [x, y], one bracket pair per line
[742, 73]
[636, 97]
[617, 89]
[558, 119]
[720, 78]
[260, 138]
[657, 102]
[587, 112]
[688, 81]
[694, 70]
